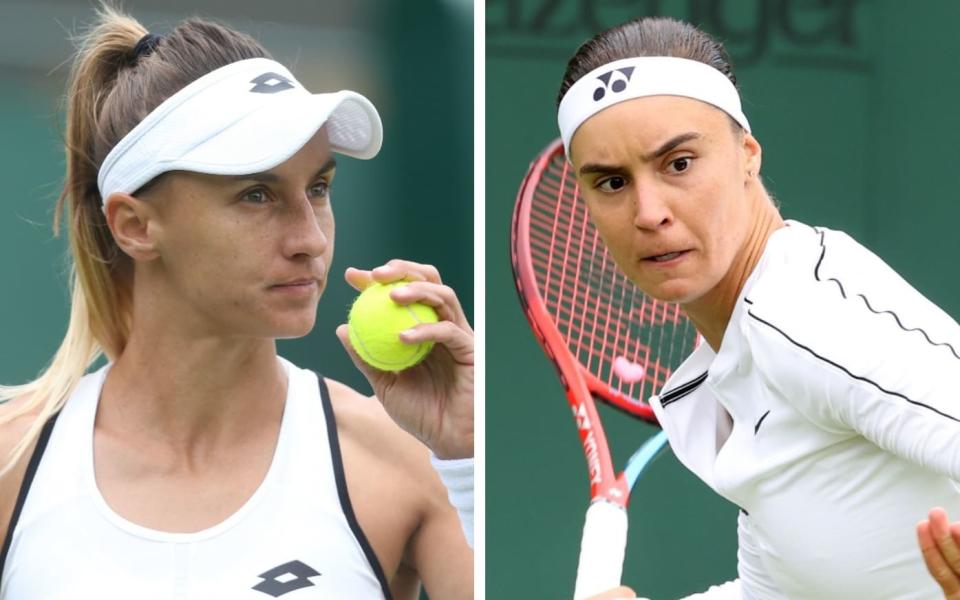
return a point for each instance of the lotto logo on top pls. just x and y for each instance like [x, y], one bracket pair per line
[614, 81]
[285, 578]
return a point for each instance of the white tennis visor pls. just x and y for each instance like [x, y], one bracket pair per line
[243, 118]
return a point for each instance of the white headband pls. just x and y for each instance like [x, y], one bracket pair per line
[642, 76]
[243, 118]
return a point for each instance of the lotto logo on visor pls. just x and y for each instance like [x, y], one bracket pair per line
[616, 81]
[216, 125]
[271, 83]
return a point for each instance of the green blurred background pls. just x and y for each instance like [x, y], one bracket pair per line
[854, 104]
[414, 60]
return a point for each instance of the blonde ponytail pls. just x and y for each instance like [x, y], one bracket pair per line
[110, 90]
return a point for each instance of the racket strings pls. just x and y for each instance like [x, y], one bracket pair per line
[627, 340]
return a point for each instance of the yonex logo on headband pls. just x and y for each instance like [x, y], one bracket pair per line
[642, 76]
[618, 84]
[270, 83]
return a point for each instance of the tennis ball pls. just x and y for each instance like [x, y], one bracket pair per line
[376, 322]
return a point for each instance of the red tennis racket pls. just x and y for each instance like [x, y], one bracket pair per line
[607, 339]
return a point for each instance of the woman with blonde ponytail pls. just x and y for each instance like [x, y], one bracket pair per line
[198, 463]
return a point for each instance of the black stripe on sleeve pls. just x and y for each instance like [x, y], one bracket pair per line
[38, 450]
[816, 275]
[847, 371]
[682, 390]
[816, 269]
[897, 319]
[342, 489]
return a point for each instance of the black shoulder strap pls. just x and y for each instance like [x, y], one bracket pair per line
[25, 487]
[342, 490]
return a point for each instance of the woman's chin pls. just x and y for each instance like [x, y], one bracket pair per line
[292, 328]
[679, 292]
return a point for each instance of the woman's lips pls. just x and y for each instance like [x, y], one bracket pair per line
[667, 258]
[304, 287]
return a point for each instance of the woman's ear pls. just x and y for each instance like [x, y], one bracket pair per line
[130, 221]
[753, 156]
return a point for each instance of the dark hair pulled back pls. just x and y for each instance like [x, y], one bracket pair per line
[648, 36]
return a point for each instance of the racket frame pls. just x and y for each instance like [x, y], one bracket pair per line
[605, 528]
[581, 386]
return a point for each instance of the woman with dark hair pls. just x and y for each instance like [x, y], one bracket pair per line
[197, 463]
[821, 400]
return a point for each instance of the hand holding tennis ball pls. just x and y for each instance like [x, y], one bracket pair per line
[410, 338]
[375, 325]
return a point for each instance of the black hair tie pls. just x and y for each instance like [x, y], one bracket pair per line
[145, 46]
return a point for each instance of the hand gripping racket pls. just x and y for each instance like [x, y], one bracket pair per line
[607, 339]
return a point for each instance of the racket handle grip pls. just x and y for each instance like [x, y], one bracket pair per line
[601, 549]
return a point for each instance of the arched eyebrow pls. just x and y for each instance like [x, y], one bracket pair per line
[327, 167]
[591, 168]
[268, 177]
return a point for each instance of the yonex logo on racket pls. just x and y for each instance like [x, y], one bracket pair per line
[580, 414]
[286, 578]
[592, 452]
[589, 443]
[270, 83]
[615, 81]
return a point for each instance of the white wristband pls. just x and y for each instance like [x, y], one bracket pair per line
[457, 476]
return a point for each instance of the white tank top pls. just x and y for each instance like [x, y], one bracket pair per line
[295, 538]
